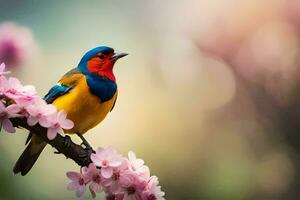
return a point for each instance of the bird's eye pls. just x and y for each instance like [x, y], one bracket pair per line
[101, 56]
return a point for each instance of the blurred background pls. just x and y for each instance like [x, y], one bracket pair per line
[209, 96]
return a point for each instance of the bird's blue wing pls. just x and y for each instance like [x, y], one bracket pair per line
[65, 84]
[56, 91]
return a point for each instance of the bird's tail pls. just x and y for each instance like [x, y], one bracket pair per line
[29, 156]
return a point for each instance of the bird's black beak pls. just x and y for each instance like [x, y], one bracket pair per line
[116, 56]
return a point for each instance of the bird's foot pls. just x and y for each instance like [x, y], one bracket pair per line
[84, 142]
[67, 141]
[86, 145]
[86, 156]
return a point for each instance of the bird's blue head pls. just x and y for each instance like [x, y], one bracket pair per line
[100, 61]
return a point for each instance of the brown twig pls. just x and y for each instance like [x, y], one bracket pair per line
[74, 151]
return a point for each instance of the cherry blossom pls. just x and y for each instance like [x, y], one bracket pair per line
[128, 180]
[6, 113]
[107, 159]
[56, 123]
[78, 183]
[25, 101]
[137, 165]
[153, 191]
[39, 112]
[132, 185]
[13, 89]
[114, 181]
[94, 177]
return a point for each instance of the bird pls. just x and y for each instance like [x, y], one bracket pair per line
[86, 93]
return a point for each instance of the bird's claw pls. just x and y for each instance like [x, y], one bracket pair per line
[86, 155]
[86, 146]
[84, 143]
[67, 141]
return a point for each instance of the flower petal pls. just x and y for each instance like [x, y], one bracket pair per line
[29, 90]
[116, 161]
[96, 187]
[131, 155]
[49, 109]
[2, 107]
[8, 126]
[45, 121]
[73, 186]
[74, 176]
[60, 131]
[12, 110]
[95, 158]
[80, 191]
[107, 182]
[61, 116]
[99, 150]
[31, 121]
[115, 187]
[107, 172]
[66, 124]
[51, 133]
[138, 163]
[111, 151]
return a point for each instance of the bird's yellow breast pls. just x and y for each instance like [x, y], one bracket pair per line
[83, 108]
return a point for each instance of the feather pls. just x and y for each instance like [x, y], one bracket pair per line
[64, 85]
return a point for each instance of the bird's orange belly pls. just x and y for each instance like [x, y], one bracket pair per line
[83, 108]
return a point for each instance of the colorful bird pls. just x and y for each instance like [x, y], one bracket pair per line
[86, 93]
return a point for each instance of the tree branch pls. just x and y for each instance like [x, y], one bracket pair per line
[74, 151]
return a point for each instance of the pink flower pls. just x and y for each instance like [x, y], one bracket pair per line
[39, 111]
[26, 95]
[12, 88]
[107, 159]
[2, 70]
[94, 176]
[114, 181]
[16, 43]
[153, 191]
[78, 183]
[137, 165]
[56, 123]
[10, 111]
[122, 180]
[132, 185]
[6, 85]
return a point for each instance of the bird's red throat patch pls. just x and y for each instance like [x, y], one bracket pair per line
[101, 67]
